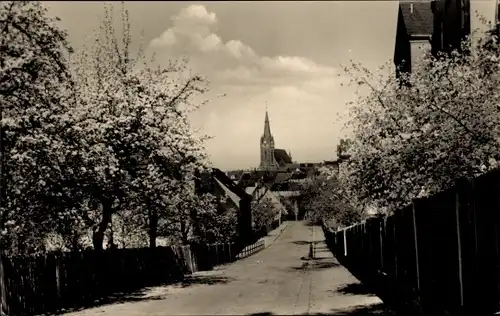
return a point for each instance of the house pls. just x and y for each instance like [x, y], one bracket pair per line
[413, 35]
[497, 14]
[249, 179]
[451, 24]
[434, 26]
[261, 192]
[233, 197]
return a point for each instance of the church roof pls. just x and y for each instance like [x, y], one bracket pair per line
[281, 156]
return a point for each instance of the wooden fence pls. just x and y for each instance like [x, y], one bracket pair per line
[43, 284]
[251, 249]
[206, 257]
[439, 254]
[34, 285]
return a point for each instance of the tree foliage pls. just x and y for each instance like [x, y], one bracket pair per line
[264, 213]
[106, 134]
[139, 149]
[34, 98]
[198, 218]
[419, 134]
[326, 201]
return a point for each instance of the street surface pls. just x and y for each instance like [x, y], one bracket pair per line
[277, 280]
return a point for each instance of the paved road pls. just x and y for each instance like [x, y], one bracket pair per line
[277, 280]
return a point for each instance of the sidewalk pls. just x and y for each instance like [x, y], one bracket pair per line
[274, 234]
[336, 290]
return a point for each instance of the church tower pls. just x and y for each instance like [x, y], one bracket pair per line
[267, 160]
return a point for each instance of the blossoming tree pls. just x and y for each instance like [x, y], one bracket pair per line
[35, 87]
[140, 150]
[419, 134]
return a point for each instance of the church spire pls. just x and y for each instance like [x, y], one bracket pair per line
[267, 158]
[267, 128]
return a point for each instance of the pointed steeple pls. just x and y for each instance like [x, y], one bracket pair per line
[267, 154]
[267, 128]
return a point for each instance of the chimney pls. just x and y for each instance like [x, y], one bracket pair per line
[411, 8]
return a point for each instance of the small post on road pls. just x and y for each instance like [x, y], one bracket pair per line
[311, 245]
[313, 242]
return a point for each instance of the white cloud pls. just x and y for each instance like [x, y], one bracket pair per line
[196, 12]
[240, 73]
[239, 50]
[167, 38]
[210, 43]
[303, 96]
[291, 64]
[193, 33]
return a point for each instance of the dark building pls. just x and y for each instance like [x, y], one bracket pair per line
[451, 24]
[497, 14]
[231, 196]
[413, 34]
[437, 26]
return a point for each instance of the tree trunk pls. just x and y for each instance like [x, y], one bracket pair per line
[195, 222]
[98, 233]
[124, 243]
[75, 242]
[185, 232]
[111, 235]
[153, 226]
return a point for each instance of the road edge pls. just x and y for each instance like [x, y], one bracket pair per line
[274, 235]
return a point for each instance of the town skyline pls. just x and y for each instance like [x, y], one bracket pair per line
[293, 62]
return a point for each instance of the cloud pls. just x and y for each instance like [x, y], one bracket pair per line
[196, 13]
[193, 33]
[239, 50]
[167, 38]
[291, 64]
[303, 95]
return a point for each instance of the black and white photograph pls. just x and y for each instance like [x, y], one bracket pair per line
[259, 158]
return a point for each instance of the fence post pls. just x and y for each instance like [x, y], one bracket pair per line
[395, 249]
[57, 262]
[459, 244]
[217, 253]
[415, 234]
[4, 307]
[345, 242]
[381, 244]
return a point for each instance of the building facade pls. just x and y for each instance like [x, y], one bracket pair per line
[433, 26]
[451, 24]
[413, 35]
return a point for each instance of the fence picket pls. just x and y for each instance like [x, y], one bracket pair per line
[415, 239]
[459, 250]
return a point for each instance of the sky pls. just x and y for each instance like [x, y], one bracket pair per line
[287, 57]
